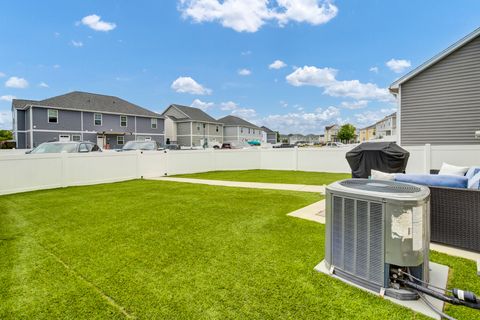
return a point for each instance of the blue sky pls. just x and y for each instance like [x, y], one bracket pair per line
[335, 59]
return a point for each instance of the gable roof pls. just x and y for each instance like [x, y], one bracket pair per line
[236, 121]
[454, 47]
[330, 127]
[85, 101]
[192, 113]
[267, 130]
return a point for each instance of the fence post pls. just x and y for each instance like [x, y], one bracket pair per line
[427, 158]
[138, 159]
[295, 158]
[64, 168]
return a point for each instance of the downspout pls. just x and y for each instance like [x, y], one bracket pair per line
[31, 127]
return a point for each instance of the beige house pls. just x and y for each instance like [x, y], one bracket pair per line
[367, 133]
[331, 133]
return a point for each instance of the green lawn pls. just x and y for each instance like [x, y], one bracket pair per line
[271, 176]
[166, 250]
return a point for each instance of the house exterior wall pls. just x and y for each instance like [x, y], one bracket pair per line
[144, 125]
[183, 128]
[272, 137]
[175, 113]
[20, 118]
[241, 134]
[110, 123]
[21, 140]
[184, 141]
[367, 134]
[67, 120]
[441, 105]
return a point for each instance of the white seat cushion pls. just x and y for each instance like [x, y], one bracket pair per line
[448, 169]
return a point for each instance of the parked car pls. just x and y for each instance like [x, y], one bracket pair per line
[141, 145]
[172, 146]
[284, 145]
[68, 147]
[226, 146]
[335, 145]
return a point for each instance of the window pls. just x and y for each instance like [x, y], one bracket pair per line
[153, 123]
[120, 139]
[248, 130]
[216, 129]
[97, 119]
[198, 128]
[241, 129]
[52, 116]
[123, 121]
[253, 131]
[83, 148]
[76, 137]
[64, 138]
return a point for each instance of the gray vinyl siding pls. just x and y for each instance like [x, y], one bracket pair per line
[441, 105]
[20, 118]
[144, 125]
[110, 123]
[183, 128]
[21, 140]
[49, 136]
[67, 120]
[183, 141]
[27, 119]
[272, 137]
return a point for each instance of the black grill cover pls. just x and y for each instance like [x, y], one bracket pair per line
[381, 156]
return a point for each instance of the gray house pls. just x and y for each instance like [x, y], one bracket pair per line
[81, 116]
[270, 135]
[191, 127]
[240, 131]
[439, 102]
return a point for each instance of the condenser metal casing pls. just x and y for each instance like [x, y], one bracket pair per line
[372, 225]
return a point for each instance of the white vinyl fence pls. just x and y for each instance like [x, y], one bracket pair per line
[25, 172]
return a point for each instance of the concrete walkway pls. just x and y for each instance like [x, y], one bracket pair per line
[254, 185]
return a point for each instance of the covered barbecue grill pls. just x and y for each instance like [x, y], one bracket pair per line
[381, 156]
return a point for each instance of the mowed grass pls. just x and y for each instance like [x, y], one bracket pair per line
[166, 250]
[271, 176]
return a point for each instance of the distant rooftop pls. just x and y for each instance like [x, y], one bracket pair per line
[192, 113]
[236, 121]
[86, 101]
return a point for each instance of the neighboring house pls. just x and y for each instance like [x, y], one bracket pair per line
[269, 136]
[321, 138]
[296, 137]
[238, 130]
[106, 120]
[439, 102]
[331, 133]
[367, 134]
[313, 138]
[191, 127]
[284, 138]
[387, 127]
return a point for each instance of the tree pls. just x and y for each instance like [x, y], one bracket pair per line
[346, 132]
[6, 135]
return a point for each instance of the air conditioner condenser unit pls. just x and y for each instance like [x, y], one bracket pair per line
[374, 227]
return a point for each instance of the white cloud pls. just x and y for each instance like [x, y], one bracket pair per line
[370, 117]
[197, 103]
[77, 43]
[188, 85]
[94, 22]
[43, 85]
[246, 113]
[246, 53]
[277, 64]
[302, 122]
[228, 106]
[56, 66]
[7, 98]
[398, 66]
[5, 120]
[251, 15]
[244, 72]
[352, 105]
[16, 82]
[2, 75]
[326, 78]
[373, 69]
[56, 34]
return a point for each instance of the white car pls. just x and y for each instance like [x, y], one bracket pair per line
[335, 145]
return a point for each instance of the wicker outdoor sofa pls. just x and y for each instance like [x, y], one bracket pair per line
[455, 217]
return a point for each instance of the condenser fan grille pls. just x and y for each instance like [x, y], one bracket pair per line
[380, 186]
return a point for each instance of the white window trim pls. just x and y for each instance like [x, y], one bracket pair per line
[64, 135]
[126, 122]
[123, 138]
[76, 135]
[48, 116]
[101, 120]
[152, 122]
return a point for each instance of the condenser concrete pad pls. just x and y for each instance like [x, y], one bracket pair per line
[438, 278]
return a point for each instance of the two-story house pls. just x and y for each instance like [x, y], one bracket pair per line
[387, 127]
[367, 133]
[331, 133]
[269, 135]
[240, 131]
[81, 116]
[191, 127]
